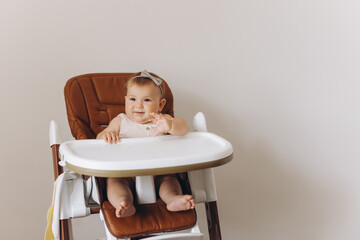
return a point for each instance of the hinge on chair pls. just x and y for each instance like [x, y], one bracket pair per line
[89, 188]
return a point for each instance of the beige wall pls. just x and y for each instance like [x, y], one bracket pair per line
[279, 79]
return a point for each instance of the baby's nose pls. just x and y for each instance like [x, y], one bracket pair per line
[139, 104]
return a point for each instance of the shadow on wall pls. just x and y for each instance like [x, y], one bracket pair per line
[262, 195]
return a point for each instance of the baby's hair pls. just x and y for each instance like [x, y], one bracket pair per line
[144, 81]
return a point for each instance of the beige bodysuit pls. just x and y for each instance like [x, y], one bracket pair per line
[131, 129]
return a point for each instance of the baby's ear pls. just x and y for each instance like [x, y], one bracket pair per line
[162, 104]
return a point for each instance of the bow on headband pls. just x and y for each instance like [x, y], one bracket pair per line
[146, 74]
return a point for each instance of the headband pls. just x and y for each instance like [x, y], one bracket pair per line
[146, 74]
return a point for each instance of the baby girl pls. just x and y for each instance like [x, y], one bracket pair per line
[144, 101]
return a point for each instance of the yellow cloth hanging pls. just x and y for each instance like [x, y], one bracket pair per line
[48, 232]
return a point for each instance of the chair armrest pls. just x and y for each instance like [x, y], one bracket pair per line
[54, 133]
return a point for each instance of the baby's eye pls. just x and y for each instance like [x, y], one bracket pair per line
[132, 99]
[147, 100]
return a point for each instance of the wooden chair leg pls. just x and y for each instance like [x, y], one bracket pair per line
[213, 221]
[64, 226]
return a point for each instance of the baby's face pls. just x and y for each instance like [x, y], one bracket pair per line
[141, 101]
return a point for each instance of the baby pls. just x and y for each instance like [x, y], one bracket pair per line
[144, 101]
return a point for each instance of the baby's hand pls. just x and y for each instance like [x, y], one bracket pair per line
[111, 137]
[164, 124]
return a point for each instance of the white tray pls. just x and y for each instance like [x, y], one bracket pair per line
[146, 156]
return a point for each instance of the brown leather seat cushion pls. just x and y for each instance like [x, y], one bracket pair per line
[148, 219]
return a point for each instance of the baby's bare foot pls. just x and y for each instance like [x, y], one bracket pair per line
[181, 203]
[125, 209]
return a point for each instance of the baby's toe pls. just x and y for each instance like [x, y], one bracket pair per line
[188, 197]
[118, 212]
[192, 203]
[124, 204]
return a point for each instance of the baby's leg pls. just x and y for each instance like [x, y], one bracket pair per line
[120, 196]
[170, 192]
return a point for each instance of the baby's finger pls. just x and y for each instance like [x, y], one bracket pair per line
[161, 117]
[157, 115]
[117, 138]
[106, 138]
[152, 119]
[113, 137]
[153, 114]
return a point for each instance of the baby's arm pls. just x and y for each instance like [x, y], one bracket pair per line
[168, 124]
[111, 133]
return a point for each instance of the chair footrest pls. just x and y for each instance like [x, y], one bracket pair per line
[178, 236]
[148, 219]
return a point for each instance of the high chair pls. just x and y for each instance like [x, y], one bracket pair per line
[81, 167]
